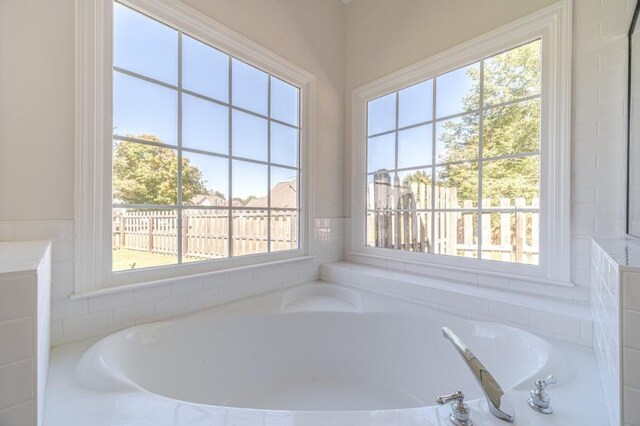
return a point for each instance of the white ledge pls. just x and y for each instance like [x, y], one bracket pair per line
[370, 274]
[145, 284]
[436, 266]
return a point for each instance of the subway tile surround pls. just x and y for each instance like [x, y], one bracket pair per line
[598, 132]
[615, 305]
[76, 319]
[564, 319]
[25, 308]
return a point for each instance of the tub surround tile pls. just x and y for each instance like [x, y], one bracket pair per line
[19, 414]
[187, 286]
[631, 408]
[563, 319]
[19, 383]
[84, 318]
[514, 285]
[81, 324]
[133, 313]
[110, 301]
[25, 327]
[20, 333]
[615, 303]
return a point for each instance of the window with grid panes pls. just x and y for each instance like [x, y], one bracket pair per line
[205, 150]
[453, 162]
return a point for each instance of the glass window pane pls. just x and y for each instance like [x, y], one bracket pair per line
[458, 91]
[144, 174]
[144, 238]
[415, 146]
[205, 70]
[250, 87]
[284, 101]
[144, 110]
[284, 230]
[512, 75]
[284, 145]
[511, 237]
[381, 153]
[456, 234]
[250, 232]
[381, 114]
[205, 125]
[205, 234]
[249, 184]
[415, 104]
[414, 189]
[457, 139]
[205, 180]
[399, 229]
[512, 129]
[381, 190]
[143, 45]
[504, 182]
[456, 186]
[249, 136]
[284, 188]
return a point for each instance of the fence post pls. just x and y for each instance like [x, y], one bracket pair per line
[185, 233]
[468, 227]
[521, 225]
[487, 236]
[123, 222]
[535, 231]
[505, 229]
[150, 229]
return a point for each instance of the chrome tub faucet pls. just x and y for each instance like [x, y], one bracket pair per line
[499, 404]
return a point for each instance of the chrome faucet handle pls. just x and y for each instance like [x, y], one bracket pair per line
[500, 405]
[459, 415]
[540, 400]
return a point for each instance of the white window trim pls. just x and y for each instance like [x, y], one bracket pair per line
[94, 74]
[553, 25]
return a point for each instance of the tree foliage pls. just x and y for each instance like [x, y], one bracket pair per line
[148, 174]
[509, 129]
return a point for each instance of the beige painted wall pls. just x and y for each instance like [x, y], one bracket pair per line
[36, 109]
[385, 36]
[309, 33]
[37, 93]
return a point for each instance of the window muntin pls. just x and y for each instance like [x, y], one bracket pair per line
[471, 188]
[181, 151]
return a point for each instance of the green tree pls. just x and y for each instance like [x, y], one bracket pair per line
[147, 174]
[510, 129]
[244, 201]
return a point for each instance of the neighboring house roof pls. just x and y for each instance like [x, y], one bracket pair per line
[208, 200]
[283, 195]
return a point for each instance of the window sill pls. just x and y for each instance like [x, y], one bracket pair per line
[487, 279]
[153, 283]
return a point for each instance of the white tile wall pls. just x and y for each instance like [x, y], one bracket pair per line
[631, 345]
[598, 146]
[605, 309]
[24, 331]
[560, 318]
[616, 308]
[81, 318]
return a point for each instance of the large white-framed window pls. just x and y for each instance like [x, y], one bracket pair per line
[462, 160]
[193, 147]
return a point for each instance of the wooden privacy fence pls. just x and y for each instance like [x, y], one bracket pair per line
[205, 233]
[400, 218]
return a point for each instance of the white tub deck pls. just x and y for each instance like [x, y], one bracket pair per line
[134, 392]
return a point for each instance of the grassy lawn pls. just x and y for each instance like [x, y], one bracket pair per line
[124, 259]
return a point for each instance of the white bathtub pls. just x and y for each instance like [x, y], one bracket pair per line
[375, 362]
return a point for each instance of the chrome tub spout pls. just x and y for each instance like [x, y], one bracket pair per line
[499, 405]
